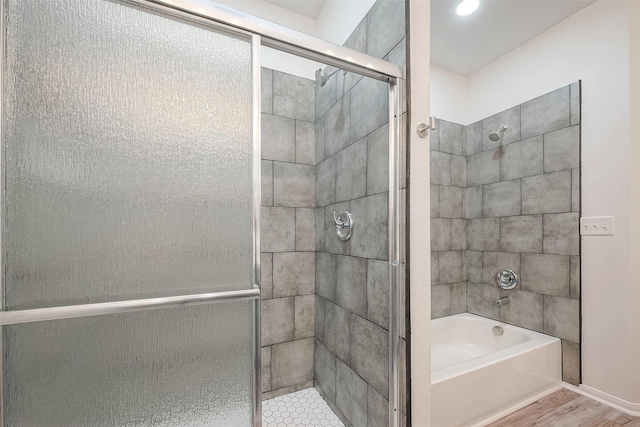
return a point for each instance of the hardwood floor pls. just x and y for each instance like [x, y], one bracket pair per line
[566, 408]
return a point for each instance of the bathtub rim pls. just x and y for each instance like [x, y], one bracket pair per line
[537, 341]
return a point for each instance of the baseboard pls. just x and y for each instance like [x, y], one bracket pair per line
[519, 406]
[629, 408]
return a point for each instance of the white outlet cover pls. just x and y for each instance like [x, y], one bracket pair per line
[596, 226]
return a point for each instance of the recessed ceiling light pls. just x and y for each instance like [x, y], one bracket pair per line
[467, 7]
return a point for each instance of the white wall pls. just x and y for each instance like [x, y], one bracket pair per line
[448, 95]
[593, 46]
[338, 18]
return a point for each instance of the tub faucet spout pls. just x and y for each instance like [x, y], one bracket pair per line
[502, 301]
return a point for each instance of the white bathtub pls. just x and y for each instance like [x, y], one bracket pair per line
[476, 375]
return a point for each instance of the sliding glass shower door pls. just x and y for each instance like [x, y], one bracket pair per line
[128, 168]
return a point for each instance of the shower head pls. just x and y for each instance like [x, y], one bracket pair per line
[497, 136]
[322, 77]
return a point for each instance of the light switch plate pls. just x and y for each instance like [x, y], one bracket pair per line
[596, 226]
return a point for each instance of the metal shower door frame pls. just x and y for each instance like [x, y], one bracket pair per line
[263, 33]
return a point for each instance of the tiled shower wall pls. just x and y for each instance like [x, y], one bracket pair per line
[521, 204]
[351, 319]
[288, 232]
[448, 224]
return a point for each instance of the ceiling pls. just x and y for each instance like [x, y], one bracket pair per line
[308, 8]
[464, 44]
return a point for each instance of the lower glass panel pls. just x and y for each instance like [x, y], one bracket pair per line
[188, 366]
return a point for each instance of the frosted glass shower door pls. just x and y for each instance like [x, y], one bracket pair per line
[128, 171]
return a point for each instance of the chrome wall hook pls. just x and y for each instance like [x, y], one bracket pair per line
[344, 225]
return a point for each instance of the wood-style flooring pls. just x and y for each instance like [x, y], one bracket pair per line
[566, 408]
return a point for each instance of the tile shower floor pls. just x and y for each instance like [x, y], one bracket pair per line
[302, 408]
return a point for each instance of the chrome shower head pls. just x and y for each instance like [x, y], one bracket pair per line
[322, 77]
[497, 136]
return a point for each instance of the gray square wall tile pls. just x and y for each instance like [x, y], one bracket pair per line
[548, 193]
[305, 230]
[351, 290]
[276, 232]
[337, 126]
[546, 113]
[305, 142]
[562, 318]
[351, 395]
[294, 185]
[370, 353]
[319, 230]
[474, 138]
[450, 201]
[440, 168]
[266, 90]
[370, 239]
[304, 316]
[266, 368]
[473, 202]
[378, 161]
[524, 158]
[575, 190]
[278, 138]
[562, 149]
[435, 268]
[440, 234]
[481, 300]
[571, 362]
[483, 234]
[458, 234]
[291, 363]
[521, 234]
[525, 309]
[435, 201]
[450, 265]
[574, 91]
[320, 151]
[267, 183]
[474, 266]
[483, 168]
[293, 96]
[293, 274]
[575, 277]
[451, 137]
[459, 171]
[545, 274]
[511, 118]
[369, 107]
[319, 318]
[440, 301]
[378, 292]
[266, 275]
[325, 370]
[326, 278]
[351, 181]
[337, 330]
[385, 27]
[326, 96]
[377, 409]
[458, 297]
[326, 182]
[278, 320]
[502, 199]
[561, 234]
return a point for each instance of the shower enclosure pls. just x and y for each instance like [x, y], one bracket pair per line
[131, 210]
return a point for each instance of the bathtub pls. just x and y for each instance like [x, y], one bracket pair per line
[477, 375]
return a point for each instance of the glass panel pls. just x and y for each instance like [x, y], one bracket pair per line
[187, 366]
[127, 155]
